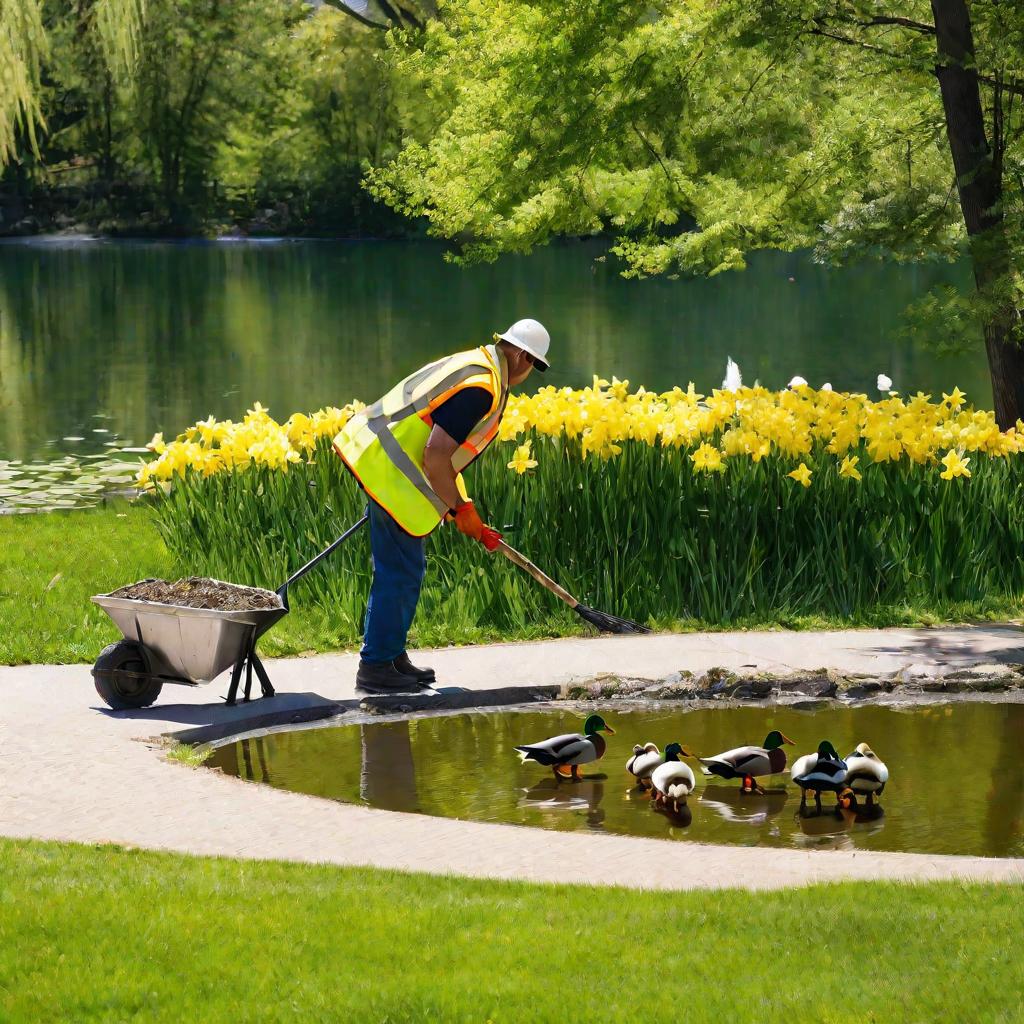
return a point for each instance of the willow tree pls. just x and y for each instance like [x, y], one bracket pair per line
[697, 131]
[24, 47]
[117, 24]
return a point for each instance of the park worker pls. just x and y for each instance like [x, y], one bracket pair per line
[408, 451]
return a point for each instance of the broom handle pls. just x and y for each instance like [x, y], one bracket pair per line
[545, 581]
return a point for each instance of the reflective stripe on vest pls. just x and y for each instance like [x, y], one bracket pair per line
[383, 445]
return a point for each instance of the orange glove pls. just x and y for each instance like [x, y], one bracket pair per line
[468, 521]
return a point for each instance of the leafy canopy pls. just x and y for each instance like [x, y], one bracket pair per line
[694, 131]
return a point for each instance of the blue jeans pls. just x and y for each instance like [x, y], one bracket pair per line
[399, 562]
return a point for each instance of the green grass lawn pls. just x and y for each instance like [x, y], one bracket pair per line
[103, 934]
[53, 563]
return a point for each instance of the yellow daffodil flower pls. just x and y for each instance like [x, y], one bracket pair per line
[522, 460]
[954, 400]
[707, 459]
[955, 465]
[802, 475]
[849, 468]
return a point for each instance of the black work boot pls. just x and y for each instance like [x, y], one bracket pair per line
[383, 677]
[407, 668]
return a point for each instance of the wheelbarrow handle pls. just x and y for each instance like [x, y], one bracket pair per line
[282, 591]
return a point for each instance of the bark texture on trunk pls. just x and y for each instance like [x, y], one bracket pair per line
[980, 188]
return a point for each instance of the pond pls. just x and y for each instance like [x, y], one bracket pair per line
[956, 781]
[104, 343]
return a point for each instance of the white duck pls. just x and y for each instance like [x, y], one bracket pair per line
[672, 781]
[866, 773]
[644, 760]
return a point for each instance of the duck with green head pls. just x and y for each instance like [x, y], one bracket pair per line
[564, 754]
[823, 772]
[747, 763]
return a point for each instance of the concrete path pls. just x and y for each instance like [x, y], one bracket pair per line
[72, 770]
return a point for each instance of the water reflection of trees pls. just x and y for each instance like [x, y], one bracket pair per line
[160, 335]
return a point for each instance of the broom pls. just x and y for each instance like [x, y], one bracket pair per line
[602, 620]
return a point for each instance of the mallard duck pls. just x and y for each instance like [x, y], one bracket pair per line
[823, 772]
[747, 763]
[564, 754]
[866, 774]
[644, 760]
[672, 781]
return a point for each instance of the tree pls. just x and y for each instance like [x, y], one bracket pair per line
[698, 131]
[117, 26]
[24, 46]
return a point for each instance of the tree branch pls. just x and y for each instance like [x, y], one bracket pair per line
[1013, 87]
[340, 5]
[856, 42]
[916, 26]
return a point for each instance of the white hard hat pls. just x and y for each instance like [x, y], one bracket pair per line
[531, 336]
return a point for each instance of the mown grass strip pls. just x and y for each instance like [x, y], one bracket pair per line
[101, 934]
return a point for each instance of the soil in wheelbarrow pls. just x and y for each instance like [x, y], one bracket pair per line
[201, 592]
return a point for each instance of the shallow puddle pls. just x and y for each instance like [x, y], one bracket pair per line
[956, 774]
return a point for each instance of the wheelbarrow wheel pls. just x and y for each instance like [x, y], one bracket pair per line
[121, 679]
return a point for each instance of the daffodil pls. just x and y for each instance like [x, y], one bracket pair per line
[522, 460]
[707, 459]
[955, 399]
[955, 465]
[849, 467]
[802, 475]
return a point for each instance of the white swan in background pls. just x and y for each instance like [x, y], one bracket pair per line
[884, 382]
[733, 378]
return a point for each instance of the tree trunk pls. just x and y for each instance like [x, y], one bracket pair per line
[979, 183]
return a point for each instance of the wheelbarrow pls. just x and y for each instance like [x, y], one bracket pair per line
[168, 643]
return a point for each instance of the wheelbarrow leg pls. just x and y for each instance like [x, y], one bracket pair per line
[248, 676]
[261, 673]
[236, 676]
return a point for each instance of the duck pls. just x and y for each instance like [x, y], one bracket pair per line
[823, 772]
[564, 754]
[866, 775]
[672, 781]
[644, 760]
[747, 763]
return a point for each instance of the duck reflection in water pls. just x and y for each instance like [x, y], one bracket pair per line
[584, 797]
[848, 821]
[388, 775]
[733, 804]
[682, 818]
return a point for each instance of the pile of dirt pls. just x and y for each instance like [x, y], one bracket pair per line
[201, 592]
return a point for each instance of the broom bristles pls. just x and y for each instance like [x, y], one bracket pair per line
[609, 623]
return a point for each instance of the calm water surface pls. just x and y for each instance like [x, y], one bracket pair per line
[956, 776]
[110, 341]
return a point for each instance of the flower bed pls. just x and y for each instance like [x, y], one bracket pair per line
[657, 506]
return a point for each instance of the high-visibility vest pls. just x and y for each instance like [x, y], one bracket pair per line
[383, 445]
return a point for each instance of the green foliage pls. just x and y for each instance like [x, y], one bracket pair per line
[473, 950]
[46, 616]
[652, 539]
[207, 113]
[23, 45]
[697, 132]
[111, 25]
[188, 754]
